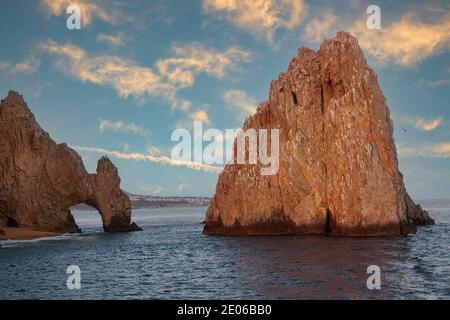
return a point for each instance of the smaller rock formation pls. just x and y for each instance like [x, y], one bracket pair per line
[40, 179]
[107, 197]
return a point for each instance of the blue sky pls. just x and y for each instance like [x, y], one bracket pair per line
[139, 69]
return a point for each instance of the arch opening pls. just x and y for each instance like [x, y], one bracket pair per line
[86, 216]
[11, 223]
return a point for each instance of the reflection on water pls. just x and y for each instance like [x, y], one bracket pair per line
[171, 259]
[311, 266]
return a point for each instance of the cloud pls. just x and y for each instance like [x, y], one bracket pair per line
[194, 58]
[117, 40]
[125, 146]
[240, 100]
[155, 190]
[407, 41]
[27, 66]
[426, 150]
[319, 28]
[130, 79]
[105, 125]
[433, 83]
[154, 151]
[260, 17]
[105, 11]
[183, 186]
[125, 76]
[200, 115]
[40, 87]
[424, 124]
[163, 160]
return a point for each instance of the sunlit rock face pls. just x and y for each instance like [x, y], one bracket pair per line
[338, 170]
[40, 180]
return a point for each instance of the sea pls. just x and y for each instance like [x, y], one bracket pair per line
[172, 259]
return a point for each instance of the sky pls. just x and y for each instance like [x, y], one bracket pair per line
[137, 70]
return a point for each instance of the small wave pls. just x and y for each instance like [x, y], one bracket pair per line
[15, 243]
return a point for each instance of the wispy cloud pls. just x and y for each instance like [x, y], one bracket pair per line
[154, 151]
[194, 58]
[39, 88]
[131, 127]
[406, 41]
[27, 66]
[124, 75]
[164, 160]
[320, 27]
[130, 79]
[117, 40]
[433, 83]
[260, 17]
[155, 190]
[240, 99]
[424, 124]
[106, 11]
[183, 186]
[426, 150]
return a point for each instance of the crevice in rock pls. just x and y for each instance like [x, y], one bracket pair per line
[328, 228]
[294, 98]
[322, 102]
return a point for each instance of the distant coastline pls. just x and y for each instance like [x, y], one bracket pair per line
[145, 201]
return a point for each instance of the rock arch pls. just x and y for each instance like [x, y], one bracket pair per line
[40, 180]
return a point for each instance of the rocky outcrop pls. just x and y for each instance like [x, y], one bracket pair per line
[338, 170]
[107, 197]
[40, 180]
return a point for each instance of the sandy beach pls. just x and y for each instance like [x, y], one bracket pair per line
[25, 234]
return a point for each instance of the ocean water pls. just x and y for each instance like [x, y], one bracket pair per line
[172, 259]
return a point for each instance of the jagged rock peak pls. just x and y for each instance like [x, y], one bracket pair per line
[338, 170]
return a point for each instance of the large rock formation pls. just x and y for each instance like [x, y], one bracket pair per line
[40, 180]
[338, 170]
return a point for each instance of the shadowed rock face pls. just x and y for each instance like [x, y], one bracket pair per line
[338, 170]
[40, 180]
